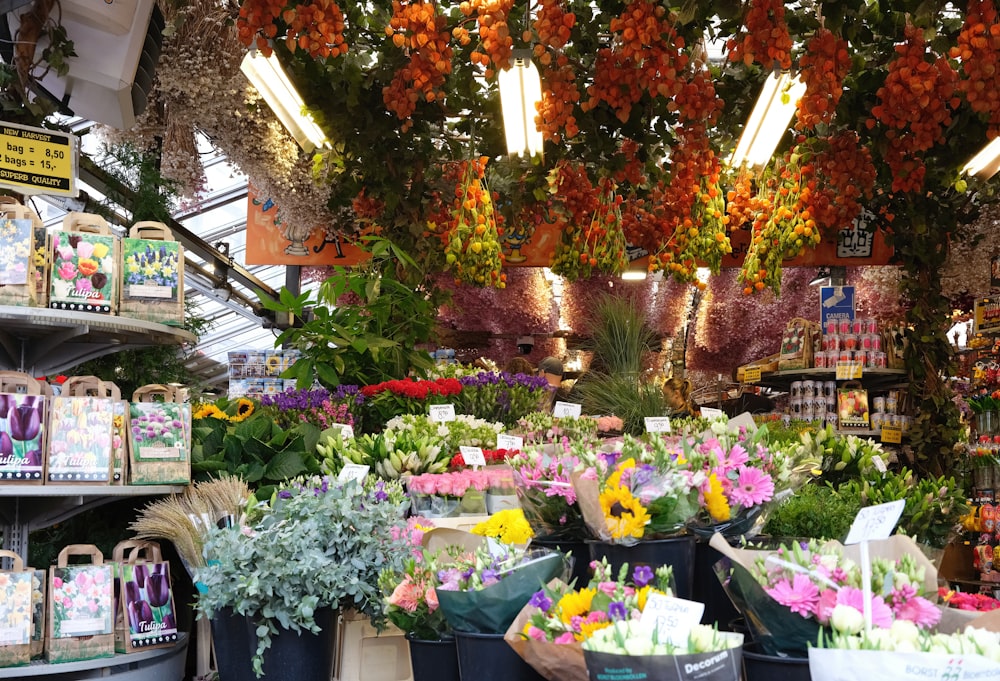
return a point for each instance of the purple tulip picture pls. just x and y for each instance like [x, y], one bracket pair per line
[25, 423]
[133, 592]
[139, 574]
[21, 419]
[158, 589]
[140, 616]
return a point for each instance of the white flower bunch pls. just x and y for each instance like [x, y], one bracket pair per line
[638, 637]
[905, 637]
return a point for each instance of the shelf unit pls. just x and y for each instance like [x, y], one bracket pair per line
[24, 508]
[873, 379]
[160, 664]
[43, 342]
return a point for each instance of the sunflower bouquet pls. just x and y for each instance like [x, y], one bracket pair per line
[644, 490]
[548, 632]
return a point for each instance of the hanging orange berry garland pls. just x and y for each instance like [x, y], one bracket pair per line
[472, 248]
[316, 27]
[978, 51]
[597, 245]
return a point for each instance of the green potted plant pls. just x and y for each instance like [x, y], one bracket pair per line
[318, 546]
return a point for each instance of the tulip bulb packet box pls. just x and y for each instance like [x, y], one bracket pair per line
[15, 618]
[16, 251]
[83, 272]
[159, 442]
[80, 436]
[81, 608]
[148, 607]
[22, 419]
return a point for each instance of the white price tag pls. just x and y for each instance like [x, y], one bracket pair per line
[879, 464]
[562, 409]
[673, 617]
[353, 471]
[509, 441]
[442, 412]
[473, 456]
[346, 431]
[875, 522]
[657, 424]
[712, 413]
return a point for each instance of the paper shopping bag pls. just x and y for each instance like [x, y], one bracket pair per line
[18, 285]
[81, 607]
[81, 431]
[23, 416]
[85, 260]
[145, 615]
[15, 613]
[152, 275]
[159, 437]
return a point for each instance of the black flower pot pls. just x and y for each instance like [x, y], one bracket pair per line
[488, 657]
[433, 660]
[235, 643]
[302, 655]
[677, 552]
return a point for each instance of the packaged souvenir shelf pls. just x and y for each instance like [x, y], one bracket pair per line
[85, 258]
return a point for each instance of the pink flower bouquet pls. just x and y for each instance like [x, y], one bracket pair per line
[789, 594]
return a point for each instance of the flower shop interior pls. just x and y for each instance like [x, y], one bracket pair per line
[499, 340]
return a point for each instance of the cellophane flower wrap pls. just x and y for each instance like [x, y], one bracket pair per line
[320, 543]
[549, 630]
[791, 593]
[411, 593]
[542, 482]
[540, 428]
[905, 652]
[482, 591]
[644, 490]
[740, 474]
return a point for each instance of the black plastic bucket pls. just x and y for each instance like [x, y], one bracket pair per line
[488, 657]
[758, 666]
[433, 660]
[678, 552]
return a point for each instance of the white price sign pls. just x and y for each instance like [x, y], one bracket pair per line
[657, 424]
[473, 456]
[353, 471]
[875, 522]
[346, 431]
[711, 413]
[442, 412]
[509, 441]
[562, 409]
[673, 617]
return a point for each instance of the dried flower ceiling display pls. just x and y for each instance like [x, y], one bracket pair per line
[641, 106]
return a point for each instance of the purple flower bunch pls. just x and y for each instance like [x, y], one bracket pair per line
[500, 396]
[321, 407]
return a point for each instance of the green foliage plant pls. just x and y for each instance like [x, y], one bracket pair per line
[363, 325]
[319, 544]
[816, 511]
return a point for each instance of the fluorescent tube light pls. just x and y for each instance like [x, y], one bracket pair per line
[520, 89]
[270, 79]
[768, 121]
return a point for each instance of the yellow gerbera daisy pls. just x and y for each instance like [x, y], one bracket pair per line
[575, 604]
[244, 408]
[624, 514]
[715, 500]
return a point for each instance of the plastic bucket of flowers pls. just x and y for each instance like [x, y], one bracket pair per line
[759, 666]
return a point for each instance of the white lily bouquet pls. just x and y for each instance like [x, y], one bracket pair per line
[903, 652]
[638, 649]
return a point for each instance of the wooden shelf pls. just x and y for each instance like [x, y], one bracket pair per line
[874, 379]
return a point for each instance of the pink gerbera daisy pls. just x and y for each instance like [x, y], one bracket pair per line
[753, 486]
[920, 611]
[733, 459]
[800, 595]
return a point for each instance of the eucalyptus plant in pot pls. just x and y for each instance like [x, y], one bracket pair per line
[319, 545]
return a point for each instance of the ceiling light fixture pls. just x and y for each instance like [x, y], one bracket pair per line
[520, 89]
[986, 163]
[768, 121]
[270, 79]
